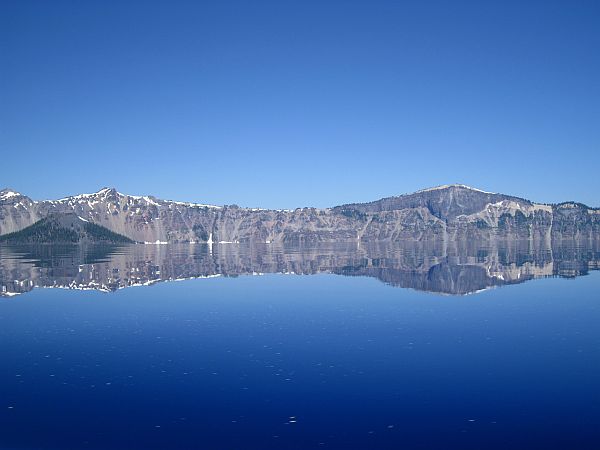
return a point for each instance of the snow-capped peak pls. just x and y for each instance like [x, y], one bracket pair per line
[5, 194]
[101, 193]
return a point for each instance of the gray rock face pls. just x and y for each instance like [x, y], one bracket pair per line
[446, 212]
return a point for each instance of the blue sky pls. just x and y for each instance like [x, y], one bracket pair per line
[285, 104]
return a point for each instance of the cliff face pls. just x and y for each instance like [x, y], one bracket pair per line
[448, 213]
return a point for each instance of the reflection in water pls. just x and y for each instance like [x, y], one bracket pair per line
[454, 268]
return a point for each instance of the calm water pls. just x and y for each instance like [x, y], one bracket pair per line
[370, 348]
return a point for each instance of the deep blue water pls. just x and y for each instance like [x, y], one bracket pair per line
[299, 362]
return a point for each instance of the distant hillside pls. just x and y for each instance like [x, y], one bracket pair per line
[446, 212]
[64, 229]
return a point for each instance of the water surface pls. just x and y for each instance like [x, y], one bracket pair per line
[326, 349]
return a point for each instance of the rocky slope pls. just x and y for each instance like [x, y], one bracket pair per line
[446, 212]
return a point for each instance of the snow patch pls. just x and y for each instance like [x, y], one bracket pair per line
[10, 294]
[194, 205]
[5, 195]
[103, 191]
[149, 200]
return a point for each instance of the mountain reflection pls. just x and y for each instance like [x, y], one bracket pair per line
[454, 268]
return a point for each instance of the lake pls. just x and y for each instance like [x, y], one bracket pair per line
[415, 345]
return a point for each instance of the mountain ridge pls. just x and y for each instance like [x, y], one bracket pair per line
[8, 192]
[446, 212]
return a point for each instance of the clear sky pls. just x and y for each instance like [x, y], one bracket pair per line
[284, 104]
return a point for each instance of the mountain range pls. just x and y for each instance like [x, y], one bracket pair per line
[446, 212]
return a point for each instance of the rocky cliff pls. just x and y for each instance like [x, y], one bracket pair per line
[447, 212]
